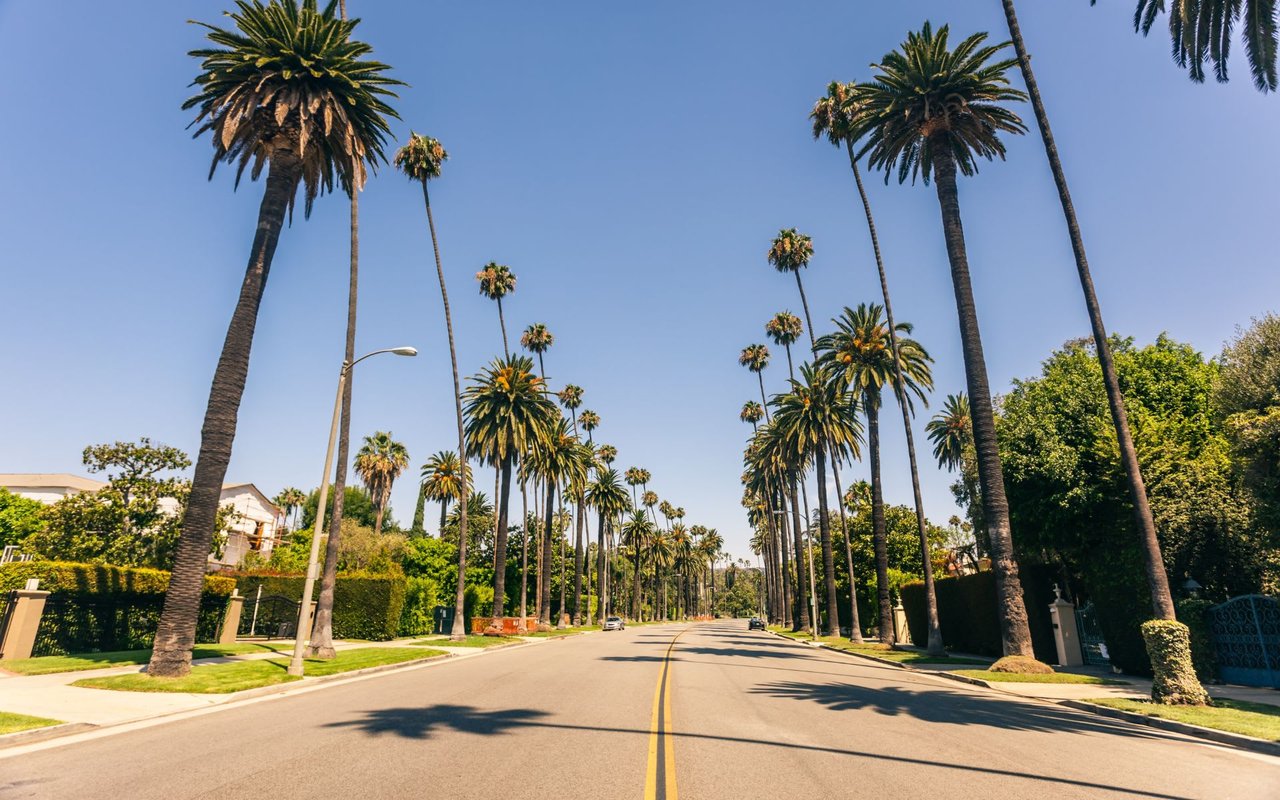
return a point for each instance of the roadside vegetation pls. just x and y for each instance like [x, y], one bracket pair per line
[14, 723]
[1234, 716]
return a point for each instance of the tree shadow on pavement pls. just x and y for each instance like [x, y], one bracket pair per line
[421, 723]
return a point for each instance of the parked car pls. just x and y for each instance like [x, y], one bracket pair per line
[614, 624]
[756, 624]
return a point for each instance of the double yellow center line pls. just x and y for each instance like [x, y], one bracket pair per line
[660, 780]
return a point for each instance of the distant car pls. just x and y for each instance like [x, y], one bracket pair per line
[614, 624]
[756, 624]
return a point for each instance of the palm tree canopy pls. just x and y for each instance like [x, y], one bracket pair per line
[442, 476]
[649, 499]
[633, 476]
[506, 410]
[636, 532]
[754, 357]
[606, 494]
[290, 76]
[927, 96]
[785, 328]
[589, 419]
[835, 113]
[790, 251]
[496, 280]
[559, 456]
[421, 158]
[606, 453]
[860, 352]
[1201, 31]
[536, 338]
[817, 415]
[570, 396]
[752, 412]
[951, 431]
[379, 462]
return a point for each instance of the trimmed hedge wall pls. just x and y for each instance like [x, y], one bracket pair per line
[968, 617]
[67, 576]
[365, 606]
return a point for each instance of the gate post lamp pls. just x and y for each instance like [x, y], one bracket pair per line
[313, 567]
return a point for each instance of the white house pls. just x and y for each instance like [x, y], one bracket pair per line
[254, 528]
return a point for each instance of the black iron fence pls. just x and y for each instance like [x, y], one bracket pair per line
[272, 616]
[90, 623]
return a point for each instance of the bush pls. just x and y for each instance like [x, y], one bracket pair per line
[1169, 647]
[1194, 613]
[421, 596]
[364, 606]
[1021, 665]
[967, 612]
[67, 576]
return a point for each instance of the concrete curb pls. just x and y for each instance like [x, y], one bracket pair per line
[1211, 734]
[47, 732]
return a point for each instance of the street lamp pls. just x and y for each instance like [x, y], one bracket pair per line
[304, 608]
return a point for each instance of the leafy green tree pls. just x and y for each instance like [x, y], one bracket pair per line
[290, 91]
[19, 517]
[359, 508]
[934, 111]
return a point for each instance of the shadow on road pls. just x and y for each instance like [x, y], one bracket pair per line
[426, 721]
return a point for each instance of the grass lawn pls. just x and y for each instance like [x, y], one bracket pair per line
[241, 675]
[1258, 720]
[1053, 677]
[12, 723]
[470, 641]
[45, 665]
[899, 656]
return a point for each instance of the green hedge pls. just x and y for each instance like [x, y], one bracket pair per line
[968, 617]
[364, 606]
[1169, 648]
[421, 597]
[67, 576]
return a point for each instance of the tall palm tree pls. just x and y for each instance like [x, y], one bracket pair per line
[934, 111]
[555, 458]
[306, 126]
[571, 398]
[632, 477]
[682, 560]
[496, 282]
[607, 453]
[420, 160]
[861, 352]
[834, 116]
[785, 329]
[290, 500]
[711, 545]
[781, 468]
[609, 499]
[816, 420]
[1189, 24]
[379, 462]
[791, 252]
[752, 412]
[538, 340]
[951, 431]
[636, 532]
[589, 420]
[755, 357]
[649, 499]
[1201, 31]
[506, 415]
[442, 478]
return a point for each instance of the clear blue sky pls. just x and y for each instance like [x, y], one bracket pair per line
[631, 162]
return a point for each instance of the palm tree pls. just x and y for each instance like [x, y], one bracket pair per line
[752, 412]
[816, 420]
[755, 357]
[632, 477]
[834, 116]
[933, 111]
[538, 340]
[421, 160]
[571, 398]
[606, 453]
[1188, 23]
[781, 468]
[951, 432]
[636, 533]
[290, 500]
[860, 352]
[442, 478]
[790, 252]
[506, 415]
[649, 499]
[609, 499]
[1201, 31]
[305, 126]
[590, 420]
[496, 282]
[555, 458]
[379, 462]
[785, 328]
[682, 560]
[711, 544]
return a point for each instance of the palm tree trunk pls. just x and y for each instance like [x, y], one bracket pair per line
[930, 593]
[444, 515]
[544, 603]
[377, 519]
[763, 400]
[176, 631]
[600, 559]
[879, 533]
[524, 558]
[321, 644]
[502, 323]
[800, 614]
[1014, 630]
[458, 632]
[636, 604]
[1157, 578]
[828, 555]
[500, 554]
[855, 623]
[782, 559]
[564, 584]
[579, 521]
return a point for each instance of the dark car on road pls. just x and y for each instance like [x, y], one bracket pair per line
[756, 624]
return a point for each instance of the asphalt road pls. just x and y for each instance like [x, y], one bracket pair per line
[721, 713]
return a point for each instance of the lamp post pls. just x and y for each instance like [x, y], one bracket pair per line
[313, 567]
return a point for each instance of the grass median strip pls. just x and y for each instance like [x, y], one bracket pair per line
[1258, 720]
[470, 641]
[899, 656]
[1052, 677]
[45, 665]
[13, 723]
[241, 675]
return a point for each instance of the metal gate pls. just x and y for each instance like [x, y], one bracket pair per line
[1092, 644]
[1246, 640]
[272, 616]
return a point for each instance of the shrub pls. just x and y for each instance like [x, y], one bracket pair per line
[364, 606]
[1169, 647]
[1021, 665]
[968, 616]
[67, 576]
[1194, 613]
[421, 596]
